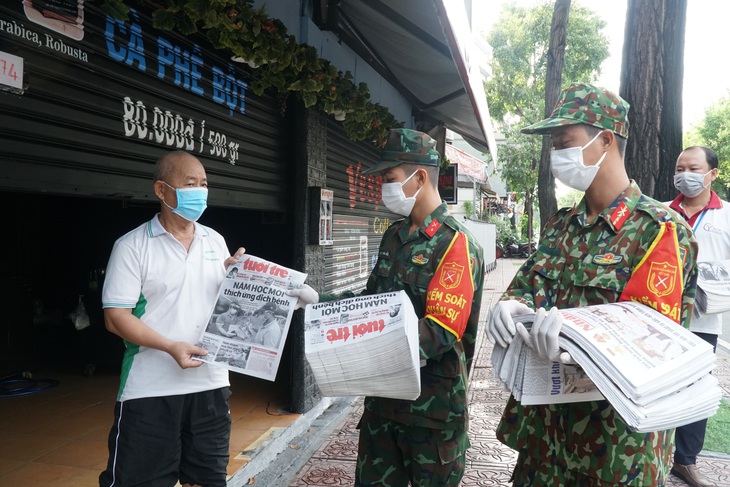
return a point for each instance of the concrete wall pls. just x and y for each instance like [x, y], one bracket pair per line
[310, 170]
[486, 235]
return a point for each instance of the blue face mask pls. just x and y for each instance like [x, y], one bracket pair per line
[191, 202]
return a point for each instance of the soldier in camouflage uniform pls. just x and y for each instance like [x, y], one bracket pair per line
[439, 264]
[602, 250]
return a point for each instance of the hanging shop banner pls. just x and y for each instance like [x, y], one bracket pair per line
[91, 102]
[468, 164]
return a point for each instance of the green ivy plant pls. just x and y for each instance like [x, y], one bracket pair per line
[279, 62]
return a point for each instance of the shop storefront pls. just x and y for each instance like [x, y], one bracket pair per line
[88, 104]
[359, 218]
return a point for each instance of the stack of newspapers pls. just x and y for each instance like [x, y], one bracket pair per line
[655, 373]
[364, 346]
[713, 287]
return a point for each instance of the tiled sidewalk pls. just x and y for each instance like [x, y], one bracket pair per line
[489, 463]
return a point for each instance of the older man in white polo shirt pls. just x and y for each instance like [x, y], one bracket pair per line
[172, 421]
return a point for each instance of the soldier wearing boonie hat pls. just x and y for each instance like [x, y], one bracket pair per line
[433, 257]
[600, 251]
[596, 110]
[407, 146]
[586, 104]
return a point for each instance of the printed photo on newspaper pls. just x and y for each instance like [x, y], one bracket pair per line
[247, 330]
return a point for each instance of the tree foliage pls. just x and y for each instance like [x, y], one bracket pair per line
[714, 132]
[569, 198]
[517, 158]
[520, 41]
[516, 91]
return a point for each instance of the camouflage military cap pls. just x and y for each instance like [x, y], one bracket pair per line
[589, 105]
[406, 146]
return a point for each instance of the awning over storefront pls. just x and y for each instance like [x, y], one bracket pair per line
[422, 47]
[468, 164]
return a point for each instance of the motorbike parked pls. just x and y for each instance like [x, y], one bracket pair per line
[526, 249]
[507, 250]
[512, 248]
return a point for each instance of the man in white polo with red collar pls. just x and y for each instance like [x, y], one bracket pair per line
[709, 217]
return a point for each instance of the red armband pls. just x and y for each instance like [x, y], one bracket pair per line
[657, 280]
[451, 290]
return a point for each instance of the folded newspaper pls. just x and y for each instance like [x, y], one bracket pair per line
[533, 380]
[713, 287]
[364, 346]
[247, 329]
[655, 373]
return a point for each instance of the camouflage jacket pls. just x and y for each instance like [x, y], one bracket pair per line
[416, 263]
[579, 263]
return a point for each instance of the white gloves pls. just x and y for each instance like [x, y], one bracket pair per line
[501, 327]
[305, 294]
[543, 336]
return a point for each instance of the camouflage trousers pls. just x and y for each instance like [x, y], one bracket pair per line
[540, 472]
[392, 454]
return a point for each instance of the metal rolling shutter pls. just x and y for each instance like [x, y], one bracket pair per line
[359, 217]
[91, 121]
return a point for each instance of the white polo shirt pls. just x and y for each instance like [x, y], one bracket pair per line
[173, 291]
[711, 227]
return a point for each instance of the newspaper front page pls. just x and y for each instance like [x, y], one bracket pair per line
[646, 351]
[364, 346]
[247, 330]
[653, 371]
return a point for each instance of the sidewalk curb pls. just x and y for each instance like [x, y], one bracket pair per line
[274, 459]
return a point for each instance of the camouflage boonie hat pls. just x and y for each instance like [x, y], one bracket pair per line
[589, 105]
[407, 146]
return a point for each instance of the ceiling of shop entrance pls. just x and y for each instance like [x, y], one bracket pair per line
[420, 48]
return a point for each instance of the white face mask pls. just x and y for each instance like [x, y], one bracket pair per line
[396, 200]
[568, 168]
[691, 184]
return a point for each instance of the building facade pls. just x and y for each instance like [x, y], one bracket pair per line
[91, 102]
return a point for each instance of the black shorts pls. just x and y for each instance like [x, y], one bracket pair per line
[157, 441]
